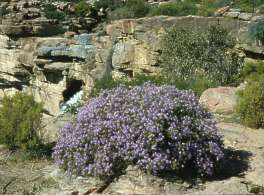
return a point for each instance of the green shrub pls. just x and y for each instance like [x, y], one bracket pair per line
[198, 85]
[82, 8]
[20, 122]
[73, 108]
[51, 12]
[4, 10]
[131, 9]
[256, 189]
[175, 9]
[250, 105]
[189, 54]
[108, 82]
[247, 5]
[251, 70]
[256, 31]
[207, 8]
[261, 10]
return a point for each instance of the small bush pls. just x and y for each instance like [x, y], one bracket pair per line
[73, 108]
[256, 189]
[108, 82]
[131, 9]
[20, 122]
[155, 128]
[198, 84]
[207, 8]
[51, 12]
[247, 5]
[175, 9]
[261, 10]
[251, 70]
[189, 54]
[256, 31]
[82, 8]
[250, 105]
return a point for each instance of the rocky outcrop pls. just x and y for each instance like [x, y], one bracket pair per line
[54, 68]
[48, 66]
[137, 41]
[28, 18]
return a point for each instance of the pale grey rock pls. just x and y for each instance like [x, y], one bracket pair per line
[136, 182]
[123, 55]
[232, 14]
[245, 16]
[221, 99]
[57, 66]
[52, 124]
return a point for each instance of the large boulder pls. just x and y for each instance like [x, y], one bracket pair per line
[220, 99]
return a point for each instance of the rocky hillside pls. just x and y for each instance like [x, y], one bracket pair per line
[55, 59]
[57, 50]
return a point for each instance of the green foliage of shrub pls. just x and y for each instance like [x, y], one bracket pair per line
[51, 12]
[247, 5]
[256, 189]
[250, 105]
[208, 7]
[198, 85]
[256, 31]
[209, 54]
[109, 83]
[82, 8]
[261, 10]
[175, 9]
[131, 9]
[73, 108]
[20, 122]
[251, 70]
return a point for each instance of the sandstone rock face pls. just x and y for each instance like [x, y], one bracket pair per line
[221, 99]
[51, 125]
[47, 66]
[54, 68]
[137, 41]
[27, 18]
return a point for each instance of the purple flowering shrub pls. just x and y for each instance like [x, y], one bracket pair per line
[156, 128]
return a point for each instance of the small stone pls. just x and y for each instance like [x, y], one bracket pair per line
[245, 16]
[232, 14]
[69, 34]
[222, 11]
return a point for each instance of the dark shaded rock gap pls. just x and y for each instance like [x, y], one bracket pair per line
[73, 87]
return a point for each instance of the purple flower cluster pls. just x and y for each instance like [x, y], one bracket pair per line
[155, 128]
